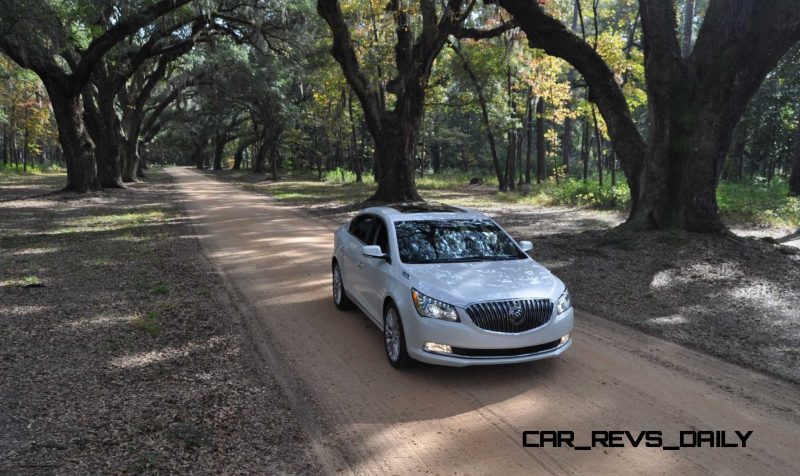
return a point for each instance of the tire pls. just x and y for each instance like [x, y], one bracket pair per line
[343, 303]
[394, 338]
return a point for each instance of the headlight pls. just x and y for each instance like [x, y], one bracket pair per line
[564, 303]
[433, 308]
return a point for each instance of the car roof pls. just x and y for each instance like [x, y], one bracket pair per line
[423, 211]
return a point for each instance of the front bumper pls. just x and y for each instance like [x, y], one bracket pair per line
[466, 336]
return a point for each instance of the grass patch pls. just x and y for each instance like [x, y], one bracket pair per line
[23, 282]
[148, 323]
[161, 288]
[759, 203]
[310, 192]
[113, 222]
[340, 175]
[10, 170]
[119, 220]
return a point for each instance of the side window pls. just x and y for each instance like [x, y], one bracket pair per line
[381, 236]
[361, 226]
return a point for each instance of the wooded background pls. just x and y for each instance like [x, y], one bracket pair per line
[656, 101]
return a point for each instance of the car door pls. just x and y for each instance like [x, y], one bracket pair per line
[376, 273]
[351, 247]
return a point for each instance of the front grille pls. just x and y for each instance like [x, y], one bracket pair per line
[489, 353]
[511, 316]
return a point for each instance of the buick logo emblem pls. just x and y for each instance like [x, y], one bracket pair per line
[516, 315]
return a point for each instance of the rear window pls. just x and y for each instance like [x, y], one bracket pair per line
[454, 241]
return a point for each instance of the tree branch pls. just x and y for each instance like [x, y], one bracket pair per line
[481, 34]
[344, 53]
[127, 26]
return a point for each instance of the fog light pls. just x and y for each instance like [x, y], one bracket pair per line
[437, 348]
[565, 339]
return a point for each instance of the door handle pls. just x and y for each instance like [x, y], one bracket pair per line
[360, 264]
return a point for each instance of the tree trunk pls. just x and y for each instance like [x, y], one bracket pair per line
[260, 162]
[238, 157]
[436, 158]
[512, 135]
[511, 159]
[529, 139]
[103, 125]
[598, 140]
[394, 148]
[585, 149]
[4, 149]
[273, 160]
[219, 150]
[688, 23]
[25, 150]
[130, 159]
[357, 162]
[794, 179]
[141, 166]
[566, 144]
[736, 156]
[541, 166]
[76, 145]
[613, 160]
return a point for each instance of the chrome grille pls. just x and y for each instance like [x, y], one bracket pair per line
[511, 316]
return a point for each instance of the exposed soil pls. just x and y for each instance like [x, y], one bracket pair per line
[736, 297]
[443, 420]
[119, 349]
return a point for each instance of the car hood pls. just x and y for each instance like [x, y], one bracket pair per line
[463, 283]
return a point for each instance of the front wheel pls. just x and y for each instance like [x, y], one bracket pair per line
[395, 338]
[339, 294]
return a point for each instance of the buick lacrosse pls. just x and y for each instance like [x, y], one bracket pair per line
[448, 286]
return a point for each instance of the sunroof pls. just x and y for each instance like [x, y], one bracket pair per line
[425, 208]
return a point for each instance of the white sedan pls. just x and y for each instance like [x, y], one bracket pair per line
[448, 286]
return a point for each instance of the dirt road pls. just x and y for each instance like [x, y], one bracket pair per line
[376, 420]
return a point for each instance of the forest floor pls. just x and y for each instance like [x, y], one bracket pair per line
[119, 349]
[736, 297]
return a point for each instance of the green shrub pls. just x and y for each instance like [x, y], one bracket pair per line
[340, 175]
[148, 323]
[32, 169]
[759, 203]
[451, 180]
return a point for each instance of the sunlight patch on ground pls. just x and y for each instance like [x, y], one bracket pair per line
[97, 321]
[114, 222]
[35, 251]
[768, 296]
[18, 311]
[143, 359]
[698, 272]
[662, 279]
[671, 320]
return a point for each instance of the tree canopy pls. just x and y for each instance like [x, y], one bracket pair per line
[675, 96]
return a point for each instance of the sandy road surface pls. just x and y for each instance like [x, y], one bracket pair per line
[469, 421]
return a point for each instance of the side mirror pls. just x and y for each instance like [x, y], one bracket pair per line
[373, 251]
[526, 246]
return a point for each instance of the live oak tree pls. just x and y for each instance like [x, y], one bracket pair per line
[127, 75]
[694, 101]
[421, 33]
[63, 43]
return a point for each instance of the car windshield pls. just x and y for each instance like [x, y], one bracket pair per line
[453, 241]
